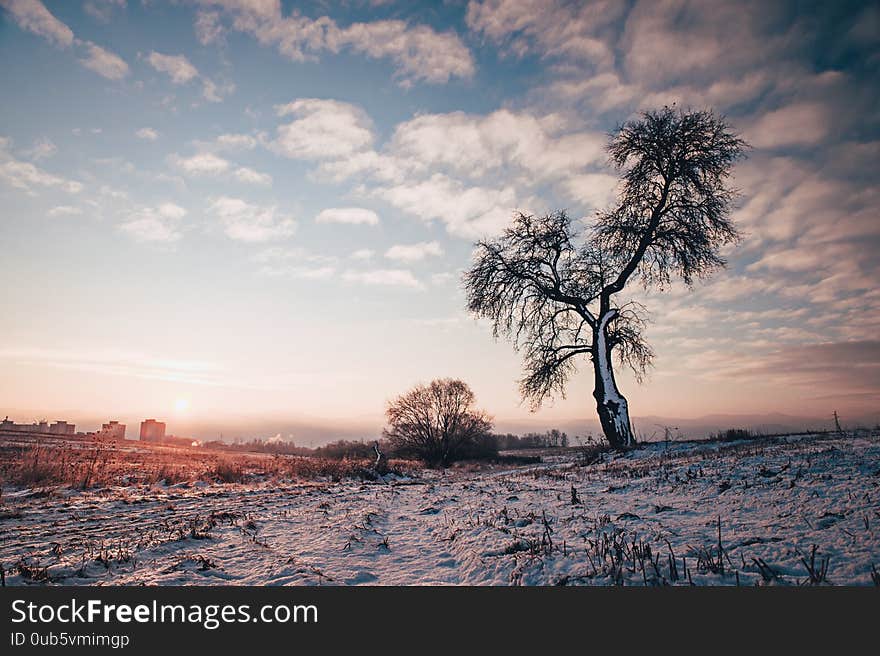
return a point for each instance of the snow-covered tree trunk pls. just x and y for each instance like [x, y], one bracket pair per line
[610, 403]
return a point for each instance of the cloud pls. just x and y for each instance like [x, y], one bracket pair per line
[443, 278]
[64, 210]
[249, 176]
[467, 212]
[115, 362]
[502, 139]
[236, 141]
[102, 10]
[171, 211]
[43, 148]
[835, 367]
[548, 28]
[348, 215]
[434, 165]
[276, 254]
[299, 272]
[419, 52]
[213, 92]
[154, 224]
[800, 124]
[104, 63]
[363, 254]
[26, 176]
[247, 222]
[384, 278]
[323, 129]
[295, 263]
[594, 190]
[32, 15]
[442, 166]
[181, 71]
[201, 164]
[208, 27]
[148, 134]
[414, 252]
[177, 67]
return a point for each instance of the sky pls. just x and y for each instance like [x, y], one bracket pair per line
[252, 213]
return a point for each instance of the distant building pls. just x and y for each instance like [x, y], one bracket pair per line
[177, 440]
[111, 431]
[152, 431]
[42, 428]
[62, 428]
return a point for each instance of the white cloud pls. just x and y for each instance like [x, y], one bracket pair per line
[419, 52]
[25, 176]
[149, 134]
[244, 174]
[413, 252]
[478, 144]
[797, 124]
[295, 263]
[244, 221]
[213, 92]
[323, 129]
[348, 215]
[104, 62]
[171, 211]
[434, 165]
[177, 67]
[102, 10]
[363, 254]
[182, 71]
[300, 272]
[208, 27]
[236, 141]
[594, 190]
[42, 149]
[440, 279]
[467, 212]
[33, 16]
[384, 277]
[201, 164]
[64, 210]
[154, 224]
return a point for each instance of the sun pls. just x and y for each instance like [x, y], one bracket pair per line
[181, 405]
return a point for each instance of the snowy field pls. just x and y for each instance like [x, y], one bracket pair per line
[790, 512]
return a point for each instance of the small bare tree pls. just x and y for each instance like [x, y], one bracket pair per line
[437, 422]
[553, 290]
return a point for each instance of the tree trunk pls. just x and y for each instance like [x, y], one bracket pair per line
[610, 403]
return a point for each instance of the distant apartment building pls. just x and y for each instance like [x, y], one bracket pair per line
[42, 428]
[111, 431]
[152, 431]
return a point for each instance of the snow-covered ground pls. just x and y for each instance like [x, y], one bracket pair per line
[651, 516]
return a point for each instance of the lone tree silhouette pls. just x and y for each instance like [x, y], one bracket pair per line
[552, 289]
[437, 422]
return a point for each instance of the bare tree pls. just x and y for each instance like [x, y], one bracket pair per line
[437, 422]
[553, 289]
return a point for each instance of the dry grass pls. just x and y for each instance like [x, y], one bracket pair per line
[90, 464]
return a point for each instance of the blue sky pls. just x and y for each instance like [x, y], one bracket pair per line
[240, 210]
